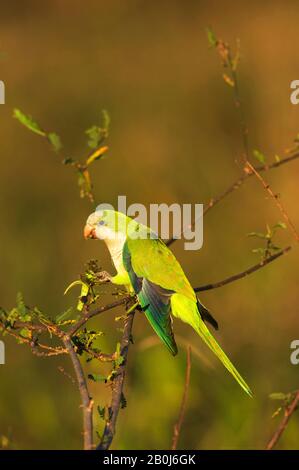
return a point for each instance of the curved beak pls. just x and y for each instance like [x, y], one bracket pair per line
[89, 232]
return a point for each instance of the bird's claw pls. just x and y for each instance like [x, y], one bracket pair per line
[103, 277]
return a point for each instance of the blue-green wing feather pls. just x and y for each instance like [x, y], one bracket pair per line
[154, 301]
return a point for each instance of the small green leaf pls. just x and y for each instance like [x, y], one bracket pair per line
[256, 234]
[21, 307]
[28, 122]
[280, 225]
[55, 141]
[3, 314]
[26, 333]
[119, 359]
[78, 282]
[97, 134]
[259, 156]
[97, 377]
[106, 120]
[211, 37]
[83, 294]
[261, 251]
[94, 136]
[278, 396]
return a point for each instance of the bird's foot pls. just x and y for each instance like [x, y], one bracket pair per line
[103, 277]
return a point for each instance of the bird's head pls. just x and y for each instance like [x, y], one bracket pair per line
[107, 225]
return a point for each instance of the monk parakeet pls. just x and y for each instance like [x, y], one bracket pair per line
[147, 267]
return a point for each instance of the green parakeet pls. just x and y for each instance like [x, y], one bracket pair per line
[147, 267]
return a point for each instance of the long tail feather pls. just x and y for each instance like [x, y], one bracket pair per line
[187, 311]
[205, 334]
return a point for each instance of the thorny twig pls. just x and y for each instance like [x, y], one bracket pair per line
[178, 424]
[87, 402]
[242, 274]
[117, 386]
[276, 199]
[238, 183]
[97, 311]
[289, 410]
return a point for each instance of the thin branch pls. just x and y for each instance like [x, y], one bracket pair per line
[233, 64]
[51, 351]
[237, 184]
[100, 356]
[11, 330]
[117, 386]
[87, 402]
[16, 325]
[95, 312]
[242, 274]
[276, 200]
[178, 424]
[289, 410]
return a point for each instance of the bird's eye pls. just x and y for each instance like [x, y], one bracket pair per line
[101, 222]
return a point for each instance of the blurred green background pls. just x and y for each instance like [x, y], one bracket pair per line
[175, 137]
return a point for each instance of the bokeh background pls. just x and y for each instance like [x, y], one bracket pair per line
[175, 137]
